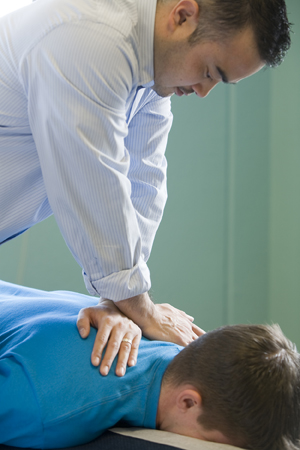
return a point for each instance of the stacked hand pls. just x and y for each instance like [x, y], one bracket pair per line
[172, 325]
[122, 335]
[113, 327]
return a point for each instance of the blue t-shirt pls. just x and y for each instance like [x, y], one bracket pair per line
[51, 395]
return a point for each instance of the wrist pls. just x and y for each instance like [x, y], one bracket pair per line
[140, 309]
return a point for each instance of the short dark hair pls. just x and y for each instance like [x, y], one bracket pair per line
[249, 379]
[219, 19]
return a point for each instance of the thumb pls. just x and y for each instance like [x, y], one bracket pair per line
[83, 323]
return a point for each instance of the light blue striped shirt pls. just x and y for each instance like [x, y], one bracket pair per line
[83, 135]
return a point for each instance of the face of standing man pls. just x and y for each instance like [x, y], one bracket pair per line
[183, 68]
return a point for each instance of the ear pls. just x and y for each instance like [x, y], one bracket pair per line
[184, 17]
[188, 398]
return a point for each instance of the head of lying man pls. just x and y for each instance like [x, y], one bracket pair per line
[237, 385]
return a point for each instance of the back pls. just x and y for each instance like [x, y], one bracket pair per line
[51, 394]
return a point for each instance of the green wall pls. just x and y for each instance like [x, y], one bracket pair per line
[228, 249]
[284, 298]
[211, 252]
[39, 258]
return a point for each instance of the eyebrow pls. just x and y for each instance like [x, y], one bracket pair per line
[224, 76]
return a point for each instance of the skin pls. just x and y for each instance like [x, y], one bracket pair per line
[181, 69]
[113, 327]
[160, 322]
[178, 411]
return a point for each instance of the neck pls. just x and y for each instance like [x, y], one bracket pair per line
[164, 406]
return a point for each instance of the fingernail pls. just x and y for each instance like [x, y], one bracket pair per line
[82, 332]
[96, 361]
[105, 370]
[131, 362]
[122, 372]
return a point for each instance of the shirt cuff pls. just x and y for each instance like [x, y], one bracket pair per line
[121, 285]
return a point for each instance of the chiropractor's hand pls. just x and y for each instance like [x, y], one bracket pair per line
[160, 321]
[171, 324]
[113, 327]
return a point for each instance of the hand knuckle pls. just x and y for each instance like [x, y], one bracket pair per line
[101, 339]
[114, 344]
[139, 332]
[109, 321]
[131, 325]
[126, 346]
[81, 315]
[120, 325]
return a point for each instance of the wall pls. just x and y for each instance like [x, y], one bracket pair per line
[210, 254]
[284, 299]
[39, 258]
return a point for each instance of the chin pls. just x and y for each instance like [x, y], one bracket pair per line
[163, 91]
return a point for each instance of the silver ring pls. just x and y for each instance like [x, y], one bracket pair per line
[127, 340]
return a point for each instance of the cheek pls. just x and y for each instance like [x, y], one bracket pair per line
[194, 72]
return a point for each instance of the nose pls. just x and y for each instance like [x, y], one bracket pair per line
[203, 89]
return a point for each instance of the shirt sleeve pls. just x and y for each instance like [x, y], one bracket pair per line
[146, 143]
[77, 82]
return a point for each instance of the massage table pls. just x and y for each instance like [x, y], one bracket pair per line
[143, 439]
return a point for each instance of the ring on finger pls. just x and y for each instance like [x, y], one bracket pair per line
[127, 340]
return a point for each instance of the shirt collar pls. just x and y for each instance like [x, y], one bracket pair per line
[146, 22]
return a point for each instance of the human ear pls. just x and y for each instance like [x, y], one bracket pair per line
[184, 15]
[188, 398]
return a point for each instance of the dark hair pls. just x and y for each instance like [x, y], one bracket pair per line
[249, 379]
[220, 19]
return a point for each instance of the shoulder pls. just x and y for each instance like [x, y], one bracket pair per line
[157, 351]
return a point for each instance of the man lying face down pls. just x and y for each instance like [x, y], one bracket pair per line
[238, 384]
